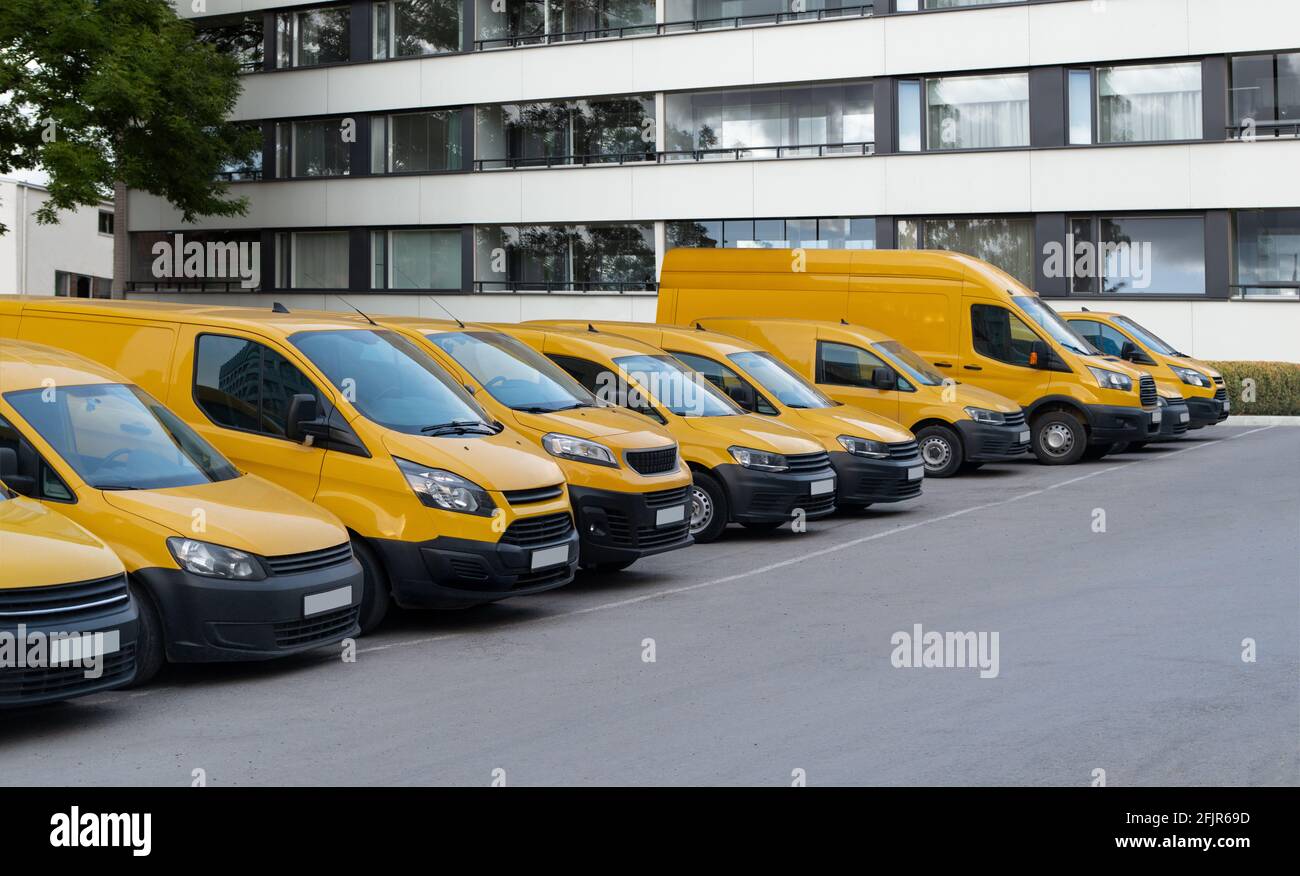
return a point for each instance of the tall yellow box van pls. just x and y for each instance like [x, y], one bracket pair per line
[627, 483]
[1117, 335]
[445, 506]
[745, 469]
[63, 601]
[223, 566]
[958, 427]
[875, 459]
[964, 317]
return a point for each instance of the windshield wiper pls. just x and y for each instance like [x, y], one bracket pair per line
[459, 427]
[539, 409]
[115, 487]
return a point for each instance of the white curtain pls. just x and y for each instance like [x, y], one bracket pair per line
[320, 260]
[1149, 102]
[978, 112]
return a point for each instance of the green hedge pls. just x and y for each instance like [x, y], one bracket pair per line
[1276, 387]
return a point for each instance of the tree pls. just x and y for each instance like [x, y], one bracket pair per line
[108, 94]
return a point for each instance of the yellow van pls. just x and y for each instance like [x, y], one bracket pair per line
[222, 566]
[59, 587]
[1117, 335]
[964, 317]
[958, 427]
[445, 506]
[745, 469]
[875, 459]
[627, 483]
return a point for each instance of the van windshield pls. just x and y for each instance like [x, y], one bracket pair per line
[513, 373]
[393, 382]
[117, 437]
[1147, 338]
[676, 387]
[773, 375]
[1056, 328]
[913, 365]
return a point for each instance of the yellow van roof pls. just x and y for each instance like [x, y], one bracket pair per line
[24, 365]
[262, 319]
[716, 340]
[828, 328]
[923, 263]
[601, 343]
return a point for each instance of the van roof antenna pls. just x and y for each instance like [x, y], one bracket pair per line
[357, 309]
[592, 328]
[699, 328]
[277, 307]
[843, 321]
[444, 309]
[1086, 310]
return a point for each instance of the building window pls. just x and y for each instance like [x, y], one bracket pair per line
[70, 285]
[243, 169]
[1266, 93]
[1150, 102]
[1145, 255]
[1080, 107]
[1005, 243]
[977, 112]
[106, 222]
[312, 260]
[417, 258]
[773, 122]
[313, 36]
[526, 22]
[604, 256]
[844, 232]
[909, 115]
[915, 5]
[683, 15]
[239, 37]
[424, 142]
[404, 28]
[1268, 253]
[590, 131]
[313, 148]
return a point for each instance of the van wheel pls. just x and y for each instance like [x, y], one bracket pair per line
[709, 511]
[150, 646]
[940, 451]
[1059, 438]
[375, 595]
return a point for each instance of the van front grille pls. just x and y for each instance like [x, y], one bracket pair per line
[652, 462]
[904, 450]
[1147, 391]
[18, 685]
[325, 627]
[63, 603]
[1221, 394]
[293, 564]
[665, 498]
[540, 530]
[1015, 418]
[809, 461]
[529, 497]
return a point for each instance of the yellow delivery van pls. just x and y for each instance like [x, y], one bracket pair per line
[875, 459]
[966, 319]
[67, 620]
[628, 484]
[223, 566]
[745, 469]
[445, 506]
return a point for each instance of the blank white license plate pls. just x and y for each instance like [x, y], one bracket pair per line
[1155, 416]
[1024, 436]
[1184, 417]
[1227, 406]
[327, 601]
[820, 487]
[84, 647]
[665, 516]
[552, 556]
[915, 474]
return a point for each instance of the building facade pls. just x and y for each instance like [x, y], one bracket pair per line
[71, 257]
[510, 160]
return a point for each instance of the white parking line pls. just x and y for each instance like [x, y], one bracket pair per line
[802, 558]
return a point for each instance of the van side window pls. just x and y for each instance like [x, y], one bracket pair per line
[244, 385]
[39, 481]
[999, 334]
[845, 365]
[1103, 337]
[601, 380]
[735, 387]
[584, 371]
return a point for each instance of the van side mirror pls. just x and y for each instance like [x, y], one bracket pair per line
[302, 413]
[884, 378]
[1040, 355]
[1129, 352]
[743, 394]
[19, 483]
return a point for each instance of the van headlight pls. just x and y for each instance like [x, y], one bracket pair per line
[579, 449]
[759, 460]
[1191, 377]
[984, 415]
[864, 447]
[445, 490]
[1111, 379]
[214, 561]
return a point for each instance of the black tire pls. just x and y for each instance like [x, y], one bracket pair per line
[611, 566]
[709, 509]
[971, 466]
[150, 644]
[941, 451]
[1097, 451]
[763, 526]
[375, 592]
[1059, 438]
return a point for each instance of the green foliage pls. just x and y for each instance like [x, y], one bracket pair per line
[102, 91]
[1276, 387]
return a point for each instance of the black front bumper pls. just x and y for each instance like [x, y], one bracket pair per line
[768, 497]
[213, 620]
[985, 442]
[1108, 424]
[860, 480]
[615, 527]
[1207, 411]
[1174, 422]
[447, 572]
[32, 685]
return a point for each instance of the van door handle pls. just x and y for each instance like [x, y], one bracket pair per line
[973, 367]
[943, 364]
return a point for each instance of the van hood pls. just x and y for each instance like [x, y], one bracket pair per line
[1198, 364]
[757, 432]
[41, 547]
[612, 426]
[246, 513]
[977, 396]
[829, 423]
[1112, 363]
[506, 461]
